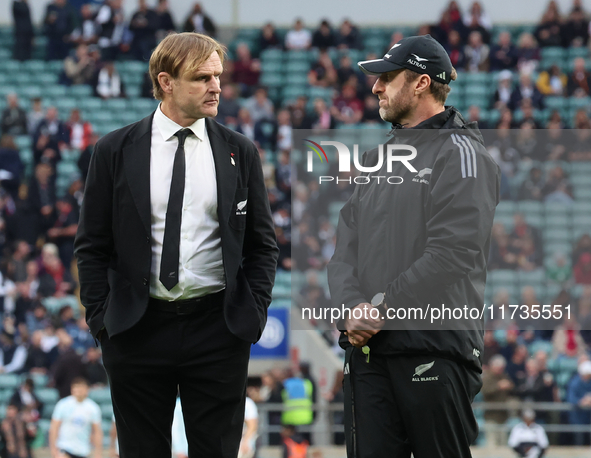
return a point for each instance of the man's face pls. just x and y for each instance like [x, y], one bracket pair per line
[197, 94]
[80, 390]
[395, 94]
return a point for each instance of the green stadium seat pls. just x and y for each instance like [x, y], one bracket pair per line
[9, 381]
[297, 67]
[47, 395]
[506, 220]
[90, 103]
[553, 52]
[107, 410]
[557, 235]
[30, 92]
[115, 104]
[579, 102]
[530, 207]
[531, 277]
[34, 65]
[55, 90]
[272, 79]
[12, 66]
[5, 54]
[132, 66]
[100, 395]
[469, 79]
[271, 66]
[40, 380]
[502, 277]
[573, 53]
[582, 193]
[64, 105]
[271, 55]
[298, 55]
[556, 103]
[80, 90]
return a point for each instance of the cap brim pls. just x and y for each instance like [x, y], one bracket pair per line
[377, 66]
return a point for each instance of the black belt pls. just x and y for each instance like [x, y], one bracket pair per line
[188, 306]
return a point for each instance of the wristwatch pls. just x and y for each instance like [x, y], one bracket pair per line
[379, 302]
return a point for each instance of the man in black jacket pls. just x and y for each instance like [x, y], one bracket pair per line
[176, 259]
[418, 244]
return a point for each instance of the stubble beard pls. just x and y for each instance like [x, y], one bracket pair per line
[399, 108]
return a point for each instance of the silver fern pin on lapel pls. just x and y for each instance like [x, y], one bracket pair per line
[423, 368]
[232, 159]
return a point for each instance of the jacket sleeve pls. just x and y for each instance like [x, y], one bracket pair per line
[464, 192]
[94, 239]
[260, 252]
[343, 281]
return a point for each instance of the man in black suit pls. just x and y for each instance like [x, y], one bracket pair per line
[176, 257]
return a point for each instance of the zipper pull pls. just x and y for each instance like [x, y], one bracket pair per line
[365, 350]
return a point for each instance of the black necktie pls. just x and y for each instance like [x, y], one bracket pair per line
[169, 265]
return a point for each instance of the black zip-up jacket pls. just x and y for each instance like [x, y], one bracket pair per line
[423, 242]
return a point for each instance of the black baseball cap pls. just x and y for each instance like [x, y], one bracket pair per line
[422, 54]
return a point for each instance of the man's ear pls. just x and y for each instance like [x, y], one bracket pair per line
[166, 82]
[422, 84]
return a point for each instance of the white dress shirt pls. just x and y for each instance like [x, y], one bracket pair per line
[201, 270]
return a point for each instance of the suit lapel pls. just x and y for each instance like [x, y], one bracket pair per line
[225, 171]
[136, 162]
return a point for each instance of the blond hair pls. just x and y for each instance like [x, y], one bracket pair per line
[184, 52]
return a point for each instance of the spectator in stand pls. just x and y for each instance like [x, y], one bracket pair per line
[143, 24]
[348, 36]
[557, 187]
[496, 387]
[547, 33]
[579, 81]
[14, 118]
[516, 364]
[35, 115]
[79, 68]
[245, 125]
[322, 72]
[323, 37]
[527, 438]
[578, 394]
[87, 30]
[531, 188]
[371, 110]
[51, 134]
[199, 22]
[523, 231]
[502, 95]
[528, 53]
[107, 83]
[582, 269]
[584, 315]
[567, 341]
[11, 166]
[455, 49]
[501, 148]
[451, 19]
[14, 433]
[59, 22]
[246, 70]
[347, 108]
[268, 38]
[583, 246]
[259, 106]
[229, 106]
[81, 336]
[164, 20]
[24, 397]
[68, 365]
[526, 90]
[322, 117]
[575, 32]
[475, 25]
[38, 318]
[84, 158]
[478, 16]
[298, 37]
[80, 131]
[559, 269]
[476, 53]
[97, 377]
[284, 131]
[23, 30]
[503, 55]
[17, 264]
[111, 21]
[552, 81]
[345, 71]
[13, 355]
[54, 279]
[64, 230]
[474, 116]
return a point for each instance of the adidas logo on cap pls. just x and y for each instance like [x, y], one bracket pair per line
[441, 75]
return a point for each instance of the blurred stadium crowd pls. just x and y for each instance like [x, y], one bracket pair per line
[83, 72]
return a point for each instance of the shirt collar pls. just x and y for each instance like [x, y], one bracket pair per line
[167, 127]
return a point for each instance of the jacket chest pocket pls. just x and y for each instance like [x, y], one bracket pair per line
[239, 209]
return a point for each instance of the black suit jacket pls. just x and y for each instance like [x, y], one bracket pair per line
[113, 243]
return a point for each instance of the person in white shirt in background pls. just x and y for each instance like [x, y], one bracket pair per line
[76, 425]
[250, 430]
[298, 37]
[180, 446]
[528, 438]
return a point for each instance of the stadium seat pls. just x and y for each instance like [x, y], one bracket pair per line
[297, 66]
[298, 55]
[268, 55]
[531, 277]
[100, 395]
[271, 66]
[296, 78]
[272, 79]
[47, 395]
[502, 277]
